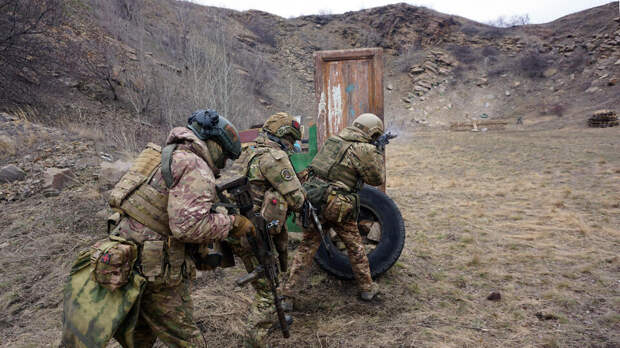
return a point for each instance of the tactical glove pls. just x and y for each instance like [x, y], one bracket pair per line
[242, 227]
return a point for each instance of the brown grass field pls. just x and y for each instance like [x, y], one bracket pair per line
[534, 215]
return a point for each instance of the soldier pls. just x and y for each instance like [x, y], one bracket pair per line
[165, 203]
[344, 163]
[275, 191]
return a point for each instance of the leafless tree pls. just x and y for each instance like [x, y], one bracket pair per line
[505, 22]
[24, 52]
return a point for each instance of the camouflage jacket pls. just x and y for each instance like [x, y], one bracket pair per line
[190, 197]
[362, 159]
[268, 166]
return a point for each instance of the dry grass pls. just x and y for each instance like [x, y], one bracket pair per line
[533, 215]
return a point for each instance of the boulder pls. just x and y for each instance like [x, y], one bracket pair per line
[11, 173]
[57, 178]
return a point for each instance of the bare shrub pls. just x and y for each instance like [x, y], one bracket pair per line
[409, 57]
[506, 22]
[463, 54]
[533, 65]
[25, 53]
[99, 61]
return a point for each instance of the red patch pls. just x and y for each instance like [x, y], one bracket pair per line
[274, 201]
[296, 124]
[106, 258]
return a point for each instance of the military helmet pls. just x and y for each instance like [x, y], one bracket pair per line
[208, 124]
[369, 123]
[282, 124]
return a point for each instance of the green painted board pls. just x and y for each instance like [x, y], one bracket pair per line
[300, 161]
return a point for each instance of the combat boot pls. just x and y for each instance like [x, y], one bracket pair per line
[370, 294]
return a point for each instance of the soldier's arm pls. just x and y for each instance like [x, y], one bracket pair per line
[369, 163]
[190, 200]
[277, 169]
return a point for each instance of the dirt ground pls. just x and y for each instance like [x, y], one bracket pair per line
[533, 215]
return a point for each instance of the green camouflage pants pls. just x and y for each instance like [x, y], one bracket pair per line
[167, 313]
[262, 313]
[349, 234]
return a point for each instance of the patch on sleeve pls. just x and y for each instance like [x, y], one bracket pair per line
[286, 174]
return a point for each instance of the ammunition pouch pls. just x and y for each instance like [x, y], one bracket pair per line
[316, 191]
[165, 262]
[112, 260]
[341, 206]
[274, 208]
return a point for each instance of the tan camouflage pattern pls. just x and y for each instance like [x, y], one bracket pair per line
[271, 168]
[268, 169]
[362, 157]
[166, 306]
[340, 213]
[348, 232]
[280, 125]
[189, 199]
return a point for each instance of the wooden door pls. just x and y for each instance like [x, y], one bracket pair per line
[347, 84]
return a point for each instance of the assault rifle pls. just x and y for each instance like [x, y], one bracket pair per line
[309, 213]
[262, 246]
[383, 140]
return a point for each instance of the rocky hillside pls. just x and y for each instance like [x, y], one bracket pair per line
[146, 67]
[531, 215]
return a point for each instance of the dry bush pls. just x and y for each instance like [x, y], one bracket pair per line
[26, 55]
[409, 57]
[505, 22]
[187, 66]
[464, 54]
[533, 64]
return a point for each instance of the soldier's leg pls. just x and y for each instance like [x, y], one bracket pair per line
[168, 311]
[261, 315]
[308, 247]
[263, 293]
[350, 236]
[143, 336]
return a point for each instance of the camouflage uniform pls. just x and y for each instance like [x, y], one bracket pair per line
[357, 162]
[166, 306]
[275, 191]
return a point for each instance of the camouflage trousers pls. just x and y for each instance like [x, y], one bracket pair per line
[262, 312]
[348, 232]
[264, 297]
[167, 313]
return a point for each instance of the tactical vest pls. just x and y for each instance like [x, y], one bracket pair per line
[134, 197]
[327, 164]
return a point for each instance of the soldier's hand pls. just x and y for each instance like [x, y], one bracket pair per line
[242, 227]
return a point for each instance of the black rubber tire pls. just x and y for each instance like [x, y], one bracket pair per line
[387, 250]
